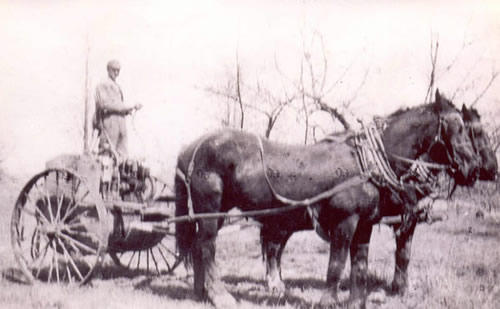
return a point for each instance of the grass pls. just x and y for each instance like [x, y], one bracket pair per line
[455, 264]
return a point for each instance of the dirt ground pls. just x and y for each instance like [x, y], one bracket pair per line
[454, 264]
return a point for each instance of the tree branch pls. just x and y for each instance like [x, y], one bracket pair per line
[238, 91]
[494, 75]
[334, 113]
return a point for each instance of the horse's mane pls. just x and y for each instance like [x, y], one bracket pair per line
[447, 104]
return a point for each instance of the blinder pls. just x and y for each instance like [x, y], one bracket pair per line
[442, 149]
[471, 128]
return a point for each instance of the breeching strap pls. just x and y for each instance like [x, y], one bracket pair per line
[187, 179]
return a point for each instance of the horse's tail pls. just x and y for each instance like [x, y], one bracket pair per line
[185, 231]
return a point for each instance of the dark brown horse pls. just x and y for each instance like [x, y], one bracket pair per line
[232, 168]
[481, 144]
[274, 239]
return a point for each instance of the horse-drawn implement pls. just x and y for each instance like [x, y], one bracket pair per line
[68, 217]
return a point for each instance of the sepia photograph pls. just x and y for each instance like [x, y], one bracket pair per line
[250, 154]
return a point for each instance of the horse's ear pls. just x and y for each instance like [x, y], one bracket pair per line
[464, 109]
[439, 103]
[438, 96]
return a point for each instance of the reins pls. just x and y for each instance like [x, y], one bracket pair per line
[375, 150]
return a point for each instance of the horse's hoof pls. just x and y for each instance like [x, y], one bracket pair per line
[377, 297]
[223, 300]
[328, 300]
[398, 287]
[356, 304]
[277, 287]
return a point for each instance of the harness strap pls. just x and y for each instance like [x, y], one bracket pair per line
[187, 179]
[381, 161]
[307, 201]
[429, 165]
[181, 175]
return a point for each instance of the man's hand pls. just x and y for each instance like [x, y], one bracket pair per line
[134, 108]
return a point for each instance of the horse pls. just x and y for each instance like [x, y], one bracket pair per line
[274, 240]
[481, 144]
[229, 167]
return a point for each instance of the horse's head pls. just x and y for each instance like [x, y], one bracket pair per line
[432, 132]
[452, 145]
[481, 143]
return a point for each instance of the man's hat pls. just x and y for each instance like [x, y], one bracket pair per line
[113, 64]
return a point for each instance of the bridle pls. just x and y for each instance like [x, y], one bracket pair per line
[470, 126]
[451, 155]
[422, 165]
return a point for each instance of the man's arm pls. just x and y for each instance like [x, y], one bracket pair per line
[109, 104]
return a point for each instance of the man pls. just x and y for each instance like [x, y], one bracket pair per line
[110, 113]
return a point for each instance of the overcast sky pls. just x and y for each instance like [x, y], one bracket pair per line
[171, 50]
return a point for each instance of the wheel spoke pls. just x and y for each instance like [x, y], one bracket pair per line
[71, 262]
[51, 264]
[154, 261]
[45, 251]
[78, 244]
[79, 253]
[168, 250]
[77, 187]
[138, 261]
[130, 261]
[74, 206]
[37, 210]
[147, 261]
[93, 236]
[57, 262]
[165, 259]
[25, 209]
[65, 258]
[47, 196]
[60, 199]
[42, 215]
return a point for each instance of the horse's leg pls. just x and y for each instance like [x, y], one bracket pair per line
[359, 264]
[280, 252]
[340, 241]
[207, 283]
[273, 242]
[403, 252]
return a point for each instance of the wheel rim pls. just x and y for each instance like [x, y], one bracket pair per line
[58, 229]
[161, 257]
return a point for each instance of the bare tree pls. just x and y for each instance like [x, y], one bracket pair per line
[257, 97]
[272, 107]
[315, 90]
[231, 90]
[86, 98]
[434, 75]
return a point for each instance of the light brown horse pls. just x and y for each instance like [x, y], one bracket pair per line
[233, 168]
